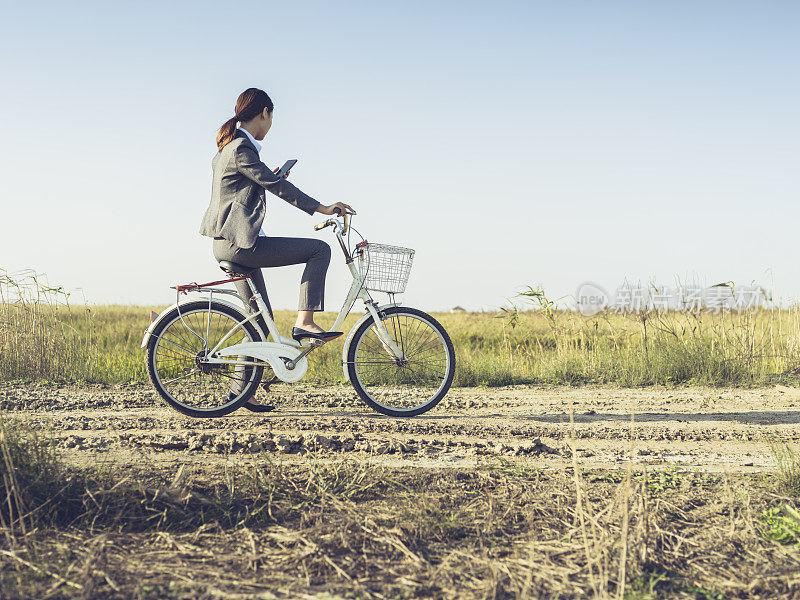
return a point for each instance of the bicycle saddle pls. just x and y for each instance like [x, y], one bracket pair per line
[231, 268]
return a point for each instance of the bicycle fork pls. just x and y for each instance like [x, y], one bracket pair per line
[388, 343]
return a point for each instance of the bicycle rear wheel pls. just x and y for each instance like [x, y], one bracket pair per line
[402, 388]
[175, 353]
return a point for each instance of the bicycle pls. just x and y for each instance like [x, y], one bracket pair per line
[206, 357]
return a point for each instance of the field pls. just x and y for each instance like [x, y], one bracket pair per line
[100, 344]
[507, 492]
[614, 456]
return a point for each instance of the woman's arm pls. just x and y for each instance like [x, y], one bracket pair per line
[249, 164]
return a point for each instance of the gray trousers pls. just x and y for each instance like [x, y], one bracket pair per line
[278, 252]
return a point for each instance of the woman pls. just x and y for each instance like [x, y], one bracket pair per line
[236, 212]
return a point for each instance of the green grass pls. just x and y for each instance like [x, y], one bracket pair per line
[46, 338]
[781, 524]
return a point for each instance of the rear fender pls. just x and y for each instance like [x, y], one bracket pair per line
[169, 309]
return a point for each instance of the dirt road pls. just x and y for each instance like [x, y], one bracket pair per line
[703, 428]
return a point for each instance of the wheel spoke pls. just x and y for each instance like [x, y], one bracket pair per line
[189, 352]
[415, 384]
[178, 371]
[193, 371]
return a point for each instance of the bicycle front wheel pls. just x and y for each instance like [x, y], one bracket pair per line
[175, 359]
[409, 386]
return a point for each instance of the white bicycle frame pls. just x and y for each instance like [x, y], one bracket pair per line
[286, 356]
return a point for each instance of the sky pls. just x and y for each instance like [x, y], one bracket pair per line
[511, 144]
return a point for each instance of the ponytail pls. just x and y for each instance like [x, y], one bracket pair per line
[226, 132]
[249, 105]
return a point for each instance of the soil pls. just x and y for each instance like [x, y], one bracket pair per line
[711, 429]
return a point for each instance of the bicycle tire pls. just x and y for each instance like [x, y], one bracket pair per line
[252, 374]
[358, 376]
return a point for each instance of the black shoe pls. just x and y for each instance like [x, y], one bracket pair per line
[299, 334]
[258, 407]
[253, 407]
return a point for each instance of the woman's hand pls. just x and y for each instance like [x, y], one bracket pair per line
[330, 208]
[276, 169]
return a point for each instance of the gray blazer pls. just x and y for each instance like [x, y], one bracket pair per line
[238, 201]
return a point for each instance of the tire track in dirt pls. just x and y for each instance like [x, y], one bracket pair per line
[706, 428]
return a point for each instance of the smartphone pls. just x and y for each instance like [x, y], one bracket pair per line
[286, 167]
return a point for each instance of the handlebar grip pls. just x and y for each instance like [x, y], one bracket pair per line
[338, 211]
[322, 225]
[346, 223]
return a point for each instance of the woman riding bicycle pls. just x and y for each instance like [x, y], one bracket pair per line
[238, 204]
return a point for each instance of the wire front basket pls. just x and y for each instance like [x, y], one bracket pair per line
[384, 268]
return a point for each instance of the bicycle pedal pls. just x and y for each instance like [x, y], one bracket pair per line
[311, 345]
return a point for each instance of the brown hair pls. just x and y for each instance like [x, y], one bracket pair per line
[248, 106]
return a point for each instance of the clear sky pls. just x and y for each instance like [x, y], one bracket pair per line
[509, 143]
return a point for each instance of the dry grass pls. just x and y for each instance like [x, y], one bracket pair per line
[41, 335]
[332, 529]
[788, 478]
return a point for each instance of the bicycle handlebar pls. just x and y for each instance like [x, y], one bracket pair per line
[330, 222]
[324, 224]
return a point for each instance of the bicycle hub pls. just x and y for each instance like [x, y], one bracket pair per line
[199, 360]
